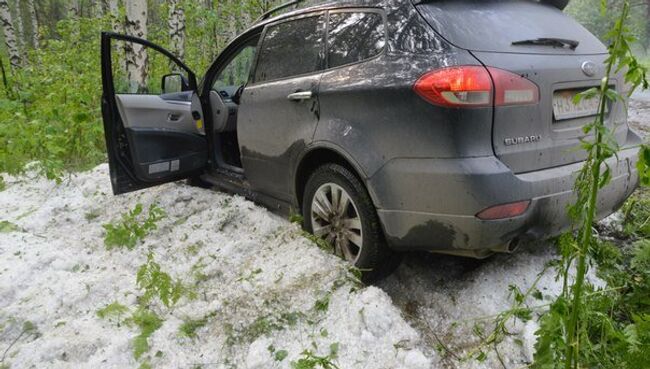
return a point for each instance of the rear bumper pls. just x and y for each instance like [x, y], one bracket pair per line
[430, 204]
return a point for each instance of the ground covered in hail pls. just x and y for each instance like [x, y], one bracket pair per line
[262, 295]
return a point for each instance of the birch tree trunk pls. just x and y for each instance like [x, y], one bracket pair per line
[647, 26]
[15, 59]
[96, 8]
[18, 21]
[31, 8]
[112, 7]
[176, 24]
[74, 9]
[136, 54]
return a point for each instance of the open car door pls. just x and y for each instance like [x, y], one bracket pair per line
[152, 116]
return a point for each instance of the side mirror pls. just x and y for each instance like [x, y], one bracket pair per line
[174, 82]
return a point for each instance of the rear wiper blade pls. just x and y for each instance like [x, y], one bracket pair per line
[547, 41]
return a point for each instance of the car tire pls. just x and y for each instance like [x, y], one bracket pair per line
[334, 183]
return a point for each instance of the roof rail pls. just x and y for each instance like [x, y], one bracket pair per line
[268, 14]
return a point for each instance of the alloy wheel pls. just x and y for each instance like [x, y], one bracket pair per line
[335, 218]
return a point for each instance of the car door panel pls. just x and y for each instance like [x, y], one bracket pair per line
[273, 130]
[152, 111]
[151, 138]
[279, 111]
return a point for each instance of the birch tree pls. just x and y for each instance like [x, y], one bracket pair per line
[112, 7]
[33, 19]
[136, 54]
[15, 59]
[74, 8]
[176, 24]
[18, 22]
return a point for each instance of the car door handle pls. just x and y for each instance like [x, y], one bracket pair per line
[173, 117]
[301, 95]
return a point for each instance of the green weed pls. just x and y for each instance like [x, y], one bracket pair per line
[114, 310]
[636, 222]
[8, 227]
[278, 355]
[92, 215]
[148, 322]
[190, 326]
[157, 283]
[131, 229]
[296, 218]
[309, 360]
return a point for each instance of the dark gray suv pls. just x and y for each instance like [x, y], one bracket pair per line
[390, 125]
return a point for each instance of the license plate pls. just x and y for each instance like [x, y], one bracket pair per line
[564, 108]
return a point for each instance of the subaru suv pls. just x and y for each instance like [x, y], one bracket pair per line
[390, 125]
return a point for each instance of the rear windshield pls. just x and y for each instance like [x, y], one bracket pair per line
[493, 25]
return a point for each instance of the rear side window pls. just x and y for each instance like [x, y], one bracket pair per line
[291, 48]
[354, 37]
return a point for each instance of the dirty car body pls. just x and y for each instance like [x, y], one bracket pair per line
[456, 117]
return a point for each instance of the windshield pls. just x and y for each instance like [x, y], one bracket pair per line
[493, 25]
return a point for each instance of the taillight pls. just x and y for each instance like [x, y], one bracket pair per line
[506, 211]
[512, 89]
[475, 86]
[456, 86]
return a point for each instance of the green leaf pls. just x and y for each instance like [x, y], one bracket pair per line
[280, 355]
[8, 227]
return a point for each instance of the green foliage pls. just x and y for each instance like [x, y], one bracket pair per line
[636, 222]
[114, 310]
[157, 283]
[148, 322]
[309, 360]
[644, 165]
[7, 227]
[190, 326]
[263, 326]
[130, 229]
[586, 327]
[296, 218]
[280, 355]
[590, 14]
[52, 114]
[613, 320]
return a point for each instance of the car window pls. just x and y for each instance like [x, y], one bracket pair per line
[291, 48]
[354, 37]
[146, 80]
[236, 73]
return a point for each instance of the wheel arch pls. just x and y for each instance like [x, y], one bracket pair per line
[318, 155]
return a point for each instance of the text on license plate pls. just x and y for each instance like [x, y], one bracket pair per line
[564, 108]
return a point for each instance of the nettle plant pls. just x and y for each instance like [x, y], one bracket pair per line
[586, 326]
[581, 330]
